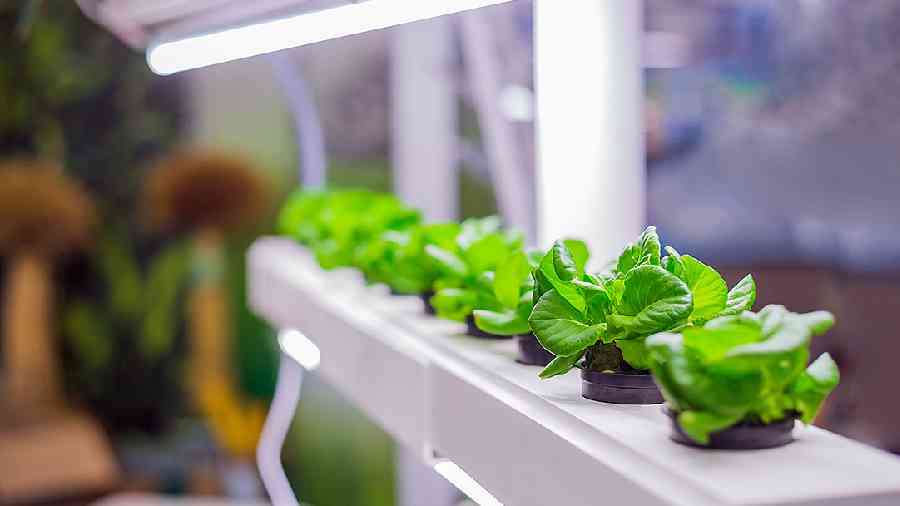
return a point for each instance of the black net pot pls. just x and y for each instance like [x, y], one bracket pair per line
[531, 352]
[426, 302]
[741, 436]
[620, 388]
[474, 331]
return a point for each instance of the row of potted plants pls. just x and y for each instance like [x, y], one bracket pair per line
[654, 325]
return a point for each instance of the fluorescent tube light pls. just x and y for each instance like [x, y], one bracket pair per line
[300, 348]
[461, 480]
[168, 57]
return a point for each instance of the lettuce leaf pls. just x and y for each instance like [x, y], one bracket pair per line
[746, 367]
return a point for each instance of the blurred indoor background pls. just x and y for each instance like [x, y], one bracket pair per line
[771, 129]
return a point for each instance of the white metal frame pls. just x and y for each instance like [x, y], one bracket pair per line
[423, 112]
[311, 152]
[590, 135]
[508, 172]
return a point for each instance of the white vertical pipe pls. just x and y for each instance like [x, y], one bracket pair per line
[307, 126]
[423, 115]
[590, 171]
[508, 171]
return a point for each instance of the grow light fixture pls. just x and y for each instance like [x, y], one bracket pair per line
[170, 56]
[465, 483]
[300, 348]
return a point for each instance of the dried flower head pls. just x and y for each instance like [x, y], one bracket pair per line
[42, 209]
[205, 189]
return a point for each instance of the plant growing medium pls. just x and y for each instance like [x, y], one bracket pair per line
[740, 381]
[600, 322]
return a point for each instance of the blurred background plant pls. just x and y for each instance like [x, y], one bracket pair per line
[71, 92]
[206, 196]
[124, 339]
[43, 215]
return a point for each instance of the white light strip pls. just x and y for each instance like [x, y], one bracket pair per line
[455, 475]
[300, 348]
[222, 46]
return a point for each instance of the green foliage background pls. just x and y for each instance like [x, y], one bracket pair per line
[72, 92]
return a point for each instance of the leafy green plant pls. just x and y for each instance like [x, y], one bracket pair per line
[398, 258]
[605, 318]
[299, 215]
[510, 297]
[467, 268]
[515, 290]
[747, 367]
[338, 225]
[125, 338]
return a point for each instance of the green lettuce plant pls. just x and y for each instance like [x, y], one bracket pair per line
[747, 367]
[338, 225]
[299, 216]
[398, 258]
[505, 307]
[605, 318]
[354, 219]
[514, 290]
[467, 268]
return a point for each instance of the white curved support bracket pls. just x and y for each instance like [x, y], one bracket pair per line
[274, 432]
[311, 153]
